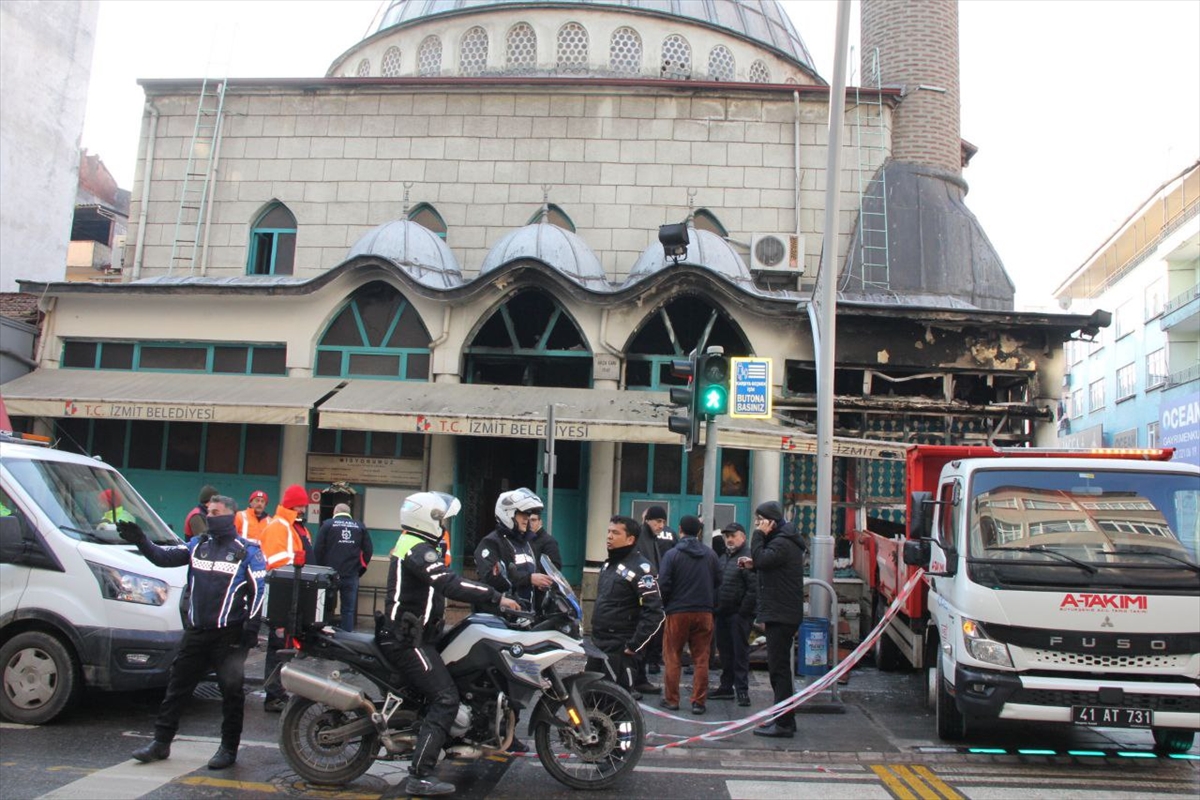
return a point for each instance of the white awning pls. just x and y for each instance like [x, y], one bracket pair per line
[605, 415]
[159, 396]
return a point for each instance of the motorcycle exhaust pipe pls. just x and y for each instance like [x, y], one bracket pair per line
[324, 689]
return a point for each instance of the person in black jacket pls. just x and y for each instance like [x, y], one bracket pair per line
[509, 544]
[737, 601]
[654, 540]
[344, 544]
[777, 555]
[543, 544]
[689, 580]
[225, 578]
[628, 609]
[418, 584]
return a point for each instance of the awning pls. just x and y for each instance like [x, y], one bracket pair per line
[158, 396]
[605, 415]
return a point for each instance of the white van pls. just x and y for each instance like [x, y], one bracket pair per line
[78, 606]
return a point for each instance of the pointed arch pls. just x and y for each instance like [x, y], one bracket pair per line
[428, 217]
[529, 339]
[272, 249]
[705, 220]
[672, 330]
[376, 333]
[554, 215]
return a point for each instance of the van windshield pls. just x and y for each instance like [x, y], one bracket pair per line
[85, 501]
[1101, 527]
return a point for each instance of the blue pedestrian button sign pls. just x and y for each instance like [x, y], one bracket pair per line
[751, 388]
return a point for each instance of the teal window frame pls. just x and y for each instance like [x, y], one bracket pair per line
[427, 208]
[397, 452]
[346, 352]
[273, 233]
[210, 355]
[553, 215]
[89, 445]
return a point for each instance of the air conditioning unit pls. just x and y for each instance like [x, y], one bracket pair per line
[777, 252]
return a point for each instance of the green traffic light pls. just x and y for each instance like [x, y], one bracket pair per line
[715, 400]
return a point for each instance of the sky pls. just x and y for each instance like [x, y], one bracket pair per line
[1080, 110]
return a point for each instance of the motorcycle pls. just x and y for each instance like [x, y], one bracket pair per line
[351, 707]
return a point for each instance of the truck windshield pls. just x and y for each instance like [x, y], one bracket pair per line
[1113, 527]
[85, 501]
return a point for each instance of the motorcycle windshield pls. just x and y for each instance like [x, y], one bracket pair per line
[563, 587]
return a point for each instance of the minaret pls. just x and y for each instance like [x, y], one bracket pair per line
[938, 253]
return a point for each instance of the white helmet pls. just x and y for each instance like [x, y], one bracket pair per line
[425, 514]
[509, 503]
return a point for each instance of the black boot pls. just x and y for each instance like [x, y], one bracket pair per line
[775, 731]
[743, 697]
[224, 758]
[427, 787]
[155, 751]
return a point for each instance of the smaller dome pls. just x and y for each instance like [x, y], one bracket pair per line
[555, 246]
[705, 249]
[415, 249]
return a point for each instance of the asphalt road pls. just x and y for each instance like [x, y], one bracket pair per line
[877, 742]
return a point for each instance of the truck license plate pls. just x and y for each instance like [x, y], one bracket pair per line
[1111, 717]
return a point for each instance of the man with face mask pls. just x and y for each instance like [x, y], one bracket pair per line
[225, 576]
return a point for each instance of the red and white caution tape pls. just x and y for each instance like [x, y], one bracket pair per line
[728, 728]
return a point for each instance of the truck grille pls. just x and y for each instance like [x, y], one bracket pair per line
[1109, 662]
[1061, 698]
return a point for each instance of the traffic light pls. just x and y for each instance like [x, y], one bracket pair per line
[688, 423]
[712, 393]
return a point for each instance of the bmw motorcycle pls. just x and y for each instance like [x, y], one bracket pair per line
[351, 707]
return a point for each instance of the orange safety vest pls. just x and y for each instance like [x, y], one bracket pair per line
[249, 526]
[281, 542]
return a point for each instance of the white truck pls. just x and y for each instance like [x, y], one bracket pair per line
[78, 606]
[1062, 587]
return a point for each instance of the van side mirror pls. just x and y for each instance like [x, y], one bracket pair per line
[920, 519]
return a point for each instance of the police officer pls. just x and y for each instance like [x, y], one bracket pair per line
[509, 544]
[344, 544]
[418, 583]
[225, 577]
[628, 610]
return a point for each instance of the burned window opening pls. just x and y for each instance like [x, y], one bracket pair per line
[675, 329]
[529, 341]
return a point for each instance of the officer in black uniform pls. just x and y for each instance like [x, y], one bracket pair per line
[224, 609]
[418, 584]
[512, 544]
[628, 610]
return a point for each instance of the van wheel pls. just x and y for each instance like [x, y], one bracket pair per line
[40, 678]
[1172, 740]
[951, 723]
[888, 657]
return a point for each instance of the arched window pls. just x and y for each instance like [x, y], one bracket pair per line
[529, 341]
[364, 69]
[625, 52]
[572, 48]
[377, 334]
[272, 242]
[429, 57]
[520, 53]
[676, 57]
[390, 66]
[720, 64]
[553, 215]
[428, 217]
[705, 220]
[759, 72]
[473, 52]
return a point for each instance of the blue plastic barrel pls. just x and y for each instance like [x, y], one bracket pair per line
[814, 647]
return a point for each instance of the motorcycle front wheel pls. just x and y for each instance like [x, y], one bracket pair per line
[615, 717]
[329, 763]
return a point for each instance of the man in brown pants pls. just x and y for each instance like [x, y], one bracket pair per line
[688, 578]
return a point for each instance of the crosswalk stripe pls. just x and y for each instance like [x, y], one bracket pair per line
[1006, 793]
[130, 779]
[893, 783]
[802, 790]
[936, 782]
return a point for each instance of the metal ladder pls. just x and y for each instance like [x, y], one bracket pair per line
[872, 184]
[198, 178]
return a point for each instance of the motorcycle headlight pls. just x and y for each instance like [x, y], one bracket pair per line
[983, 648]
[129, 587]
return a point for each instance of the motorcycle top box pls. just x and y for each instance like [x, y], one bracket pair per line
[311, 590]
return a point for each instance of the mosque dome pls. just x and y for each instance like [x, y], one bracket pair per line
[750, 41]
[415, 249]
[555, 246]
[705, 249]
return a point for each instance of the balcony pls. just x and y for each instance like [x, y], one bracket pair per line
[1183, 376]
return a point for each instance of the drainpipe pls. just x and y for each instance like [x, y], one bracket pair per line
[152, 136]
[796, 155]
[604, 334]
[212, 192]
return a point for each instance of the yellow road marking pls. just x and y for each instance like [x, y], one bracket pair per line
[68, 768]
[915, 782]
[894, 784]
[936, 782]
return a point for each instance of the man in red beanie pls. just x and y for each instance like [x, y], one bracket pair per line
[253, 520]
[285, 542]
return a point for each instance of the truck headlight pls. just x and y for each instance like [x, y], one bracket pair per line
[129, 587]
[982, 648]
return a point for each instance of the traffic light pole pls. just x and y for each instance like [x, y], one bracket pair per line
[708, 500]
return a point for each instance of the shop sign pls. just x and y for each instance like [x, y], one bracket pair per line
[364, 470]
